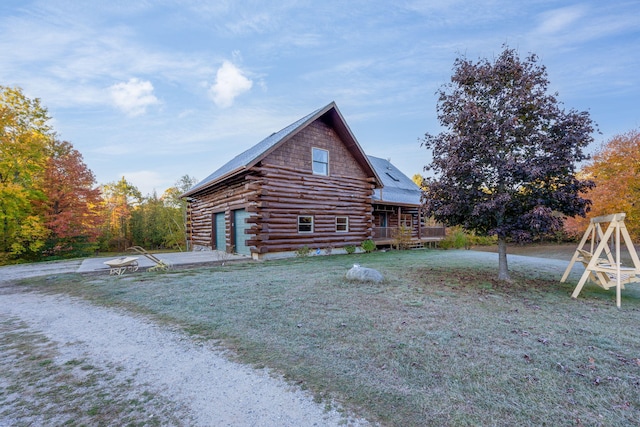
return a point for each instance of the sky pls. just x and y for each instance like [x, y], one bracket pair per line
[156, 89]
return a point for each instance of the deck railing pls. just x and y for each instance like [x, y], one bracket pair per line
[433, 232]
[383, 232]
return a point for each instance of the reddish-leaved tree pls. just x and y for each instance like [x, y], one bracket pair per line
[505, 165]
[73, 202]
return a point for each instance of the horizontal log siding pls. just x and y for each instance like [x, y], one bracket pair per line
[282, 186]
[234, 195]
[286, 188]
[286, 193]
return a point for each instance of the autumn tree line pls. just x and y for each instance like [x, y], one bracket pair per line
[51, 205]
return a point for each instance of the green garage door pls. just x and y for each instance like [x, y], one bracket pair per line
[240, 226]
[221, 238]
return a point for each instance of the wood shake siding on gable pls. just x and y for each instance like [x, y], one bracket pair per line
[288, 188]
[282, 187]
[296, 153]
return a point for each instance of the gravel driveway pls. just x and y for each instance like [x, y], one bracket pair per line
[195, 376]
[22, 271]
[205, 387]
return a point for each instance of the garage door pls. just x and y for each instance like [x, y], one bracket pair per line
[221, 241]
[240, 226]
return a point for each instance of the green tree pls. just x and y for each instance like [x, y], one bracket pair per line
[148, 223]
[152, 222]
[119, 198]
[25, 144]
[177, 211]
[505, 165]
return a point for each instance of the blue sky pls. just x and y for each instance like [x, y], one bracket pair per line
[153, 90]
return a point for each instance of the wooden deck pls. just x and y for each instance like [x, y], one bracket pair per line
[384, 236]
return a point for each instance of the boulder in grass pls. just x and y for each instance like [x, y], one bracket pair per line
[364, 274]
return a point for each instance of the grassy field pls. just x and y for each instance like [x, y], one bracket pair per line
[440, 342]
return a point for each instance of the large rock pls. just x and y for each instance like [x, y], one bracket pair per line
[364, 274]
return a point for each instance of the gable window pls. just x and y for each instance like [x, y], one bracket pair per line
[320, 161]
[305, 224]
[342, 224]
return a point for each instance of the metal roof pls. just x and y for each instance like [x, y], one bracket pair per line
[398, 188]
[254, 154]
[247, 157]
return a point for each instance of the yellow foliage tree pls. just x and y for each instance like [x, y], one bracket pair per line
[418, 180]
[25, 144]
[120, 198]
[615, 169]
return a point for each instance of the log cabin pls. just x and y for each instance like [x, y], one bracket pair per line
[397, 206]
[309, 185]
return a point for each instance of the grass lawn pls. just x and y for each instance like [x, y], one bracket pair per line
[440, 342]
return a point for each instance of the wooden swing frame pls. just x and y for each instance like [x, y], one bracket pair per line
[605, 272]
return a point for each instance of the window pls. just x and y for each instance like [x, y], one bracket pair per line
[320, 161]
[305, 224]
[342, 224]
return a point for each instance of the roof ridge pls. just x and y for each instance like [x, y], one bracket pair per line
[252, 153]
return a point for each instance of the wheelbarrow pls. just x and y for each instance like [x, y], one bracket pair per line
[119, 266]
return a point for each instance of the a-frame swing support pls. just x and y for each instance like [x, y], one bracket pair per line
[605, 272]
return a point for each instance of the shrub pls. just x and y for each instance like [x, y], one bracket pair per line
[368, 246]
[303, 251]
[350, 249]
[483, 240]
[456, 239]
[402, 237]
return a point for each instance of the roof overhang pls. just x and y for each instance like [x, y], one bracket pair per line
[331, 116]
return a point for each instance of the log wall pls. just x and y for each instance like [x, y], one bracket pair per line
[282, 187]
[234, 195]
[286, 193]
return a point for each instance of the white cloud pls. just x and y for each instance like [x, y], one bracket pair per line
[133, 97]
[230, 83]
[256, 23]
[559, 20]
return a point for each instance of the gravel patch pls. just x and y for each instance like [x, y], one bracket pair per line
[214, 390]
[22, 271]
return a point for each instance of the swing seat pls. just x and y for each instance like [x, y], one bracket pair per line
[604, 274]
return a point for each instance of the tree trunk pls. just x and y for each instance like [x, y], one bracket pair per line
[503, 269]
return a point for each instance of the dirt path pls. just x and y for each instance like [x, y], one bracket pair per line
[215, 391]
[22, 271]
